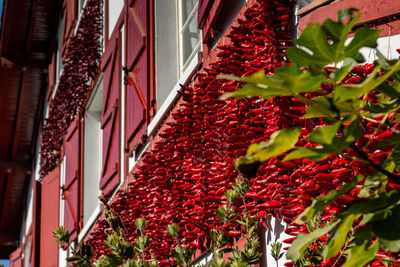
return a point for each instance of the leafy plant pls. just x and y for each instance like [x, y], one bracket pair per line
[124, 253]
[276, 251]
[322, 56]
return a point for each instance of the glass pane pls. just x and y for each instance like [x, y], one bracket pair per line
[166, 48]
[190, 38]
[187, 7]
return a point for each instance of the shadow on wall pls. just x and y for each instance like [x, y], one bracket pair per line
[275, 233]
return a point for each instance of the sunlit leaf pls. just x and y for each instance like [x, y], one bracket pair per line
[279, 143]
[325, 134]
[302, 241]
[360, 255]
[339, 237]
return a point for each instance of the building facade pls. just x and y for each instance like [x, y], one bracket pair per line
[124, 103]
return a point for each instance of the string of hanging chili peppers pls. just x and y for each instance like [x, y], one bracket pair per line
[80, 67]
[182, 180]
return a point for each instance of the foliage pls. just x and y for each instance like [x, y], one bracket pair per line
[322, 56]
[124, 253]
[276, 251]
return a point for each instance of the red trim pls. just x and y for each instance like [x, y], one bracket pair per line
[371, 11]
[211, 18]
[36, 222]
[16, 258]
[152, 61]
[50, 209]
[204, 8]
[106, 23]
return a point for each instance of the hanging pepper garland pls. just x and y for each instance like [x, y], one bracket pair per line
[80, 66]
[182, 180]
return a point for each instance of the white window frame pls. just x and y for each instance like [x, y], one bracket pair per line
[185, 72]
[113, 15]
[96, 212]
[59, 68]
[62, 262]
[181, 28]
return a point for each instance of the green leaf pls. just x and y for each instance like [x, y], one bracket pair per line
[373, 81]
[325, 134]
[288, 80]
[319, 108]
[221, 212]
[339, 237]
[313, 50]
[313, 154]
[360, 255]
[389, 90]
[363, 37]
[280, 142]
[141, 224]
[319, 203]
[341, 73]
[173, 229]
[302, 241]
[388, 230]
[72, 259]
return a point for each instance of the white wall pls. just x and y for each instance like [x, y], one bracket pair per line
[386, 45]
[275, 234]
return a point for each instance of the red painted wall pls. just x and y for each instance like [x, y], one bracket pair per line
[49, 219]
[372, 11]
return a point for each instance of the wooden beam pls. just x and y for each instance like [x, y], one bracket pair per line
[9, 166]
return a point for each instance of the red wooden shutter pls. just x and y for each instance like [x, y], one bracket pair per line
[204, 8]
[110, 118]
[52, 75]
[70, 18]
[15, 258]
[72, 175]
[49, 220]
[207, 15]
[138, 88]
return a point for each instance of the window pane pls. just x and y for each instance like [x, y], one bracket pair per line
[166, 49]
[92, 153]
[187, 7]
[190, 38]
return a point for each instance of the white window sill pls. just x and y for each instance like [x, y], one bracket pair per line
[88, 225]
[165, 107]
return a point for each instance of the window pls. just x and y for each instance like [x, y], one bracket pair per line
[59, 64]
[81, 5]
[190, 35]
[114, 10]
[92, 153]
[177, 42]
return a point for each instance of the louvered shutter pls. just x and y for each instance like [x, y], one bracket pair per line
[204, 8]
[138, 88]
[70, 18]
[207, 15]
[49, 218]
[110, 118]
[52, 76]
[15, 258]
[72, 178]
